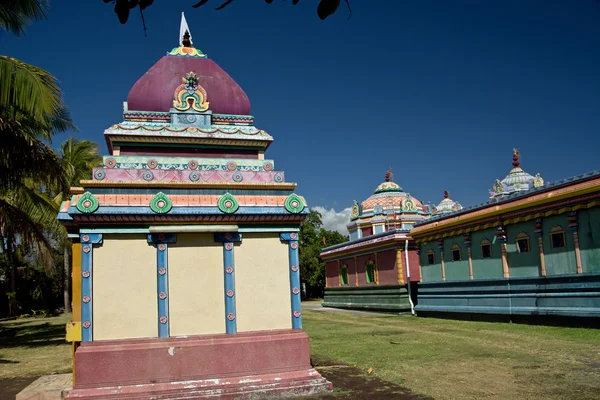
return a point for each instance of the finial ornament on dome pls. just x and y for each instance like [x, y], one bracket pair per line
[446, 194]
[516, 156]
[185, 37]
[186, 46]
[389, 175]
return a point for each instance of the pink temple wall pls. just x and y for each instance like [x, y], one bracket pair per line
[413, 259]
[351, 270]
[362, 269]
[331, 273]
[367, 231]
[386, 268]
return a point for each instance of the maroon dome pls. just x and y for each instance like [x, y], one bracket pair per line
[154, 91]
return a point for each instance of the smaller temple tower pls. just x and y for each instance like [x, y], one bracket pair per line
[517, 181]
[447, 205]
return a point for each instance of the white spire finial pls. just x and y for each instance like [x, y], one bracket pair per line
[184, 27]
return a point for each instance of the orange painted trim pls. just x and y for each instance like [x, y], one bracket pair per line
[184, 200]
[510, 221]
[192, 185]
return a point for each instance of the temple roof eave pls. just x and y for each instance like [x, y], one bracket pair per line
[365, 243]
[551, 192]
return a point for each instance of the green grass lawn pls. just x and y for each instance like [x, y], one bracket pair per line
[33, 347]
[461, 359]
[440, 358]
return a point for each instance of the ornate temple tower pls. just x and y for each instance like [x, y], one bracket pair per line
[186, 277]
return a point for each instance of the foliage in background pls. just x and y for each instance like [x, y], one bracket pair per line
[31, 114]
[123, 8]
[313, 238]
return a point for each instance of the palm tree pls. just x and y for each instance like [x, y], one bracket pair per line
[31, 113]
[78, 158]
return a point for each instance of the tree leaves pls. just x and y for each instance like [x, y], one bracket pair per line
[200, 3]
[312, 239]
[122, 7]
[327, 7]
[16, 14]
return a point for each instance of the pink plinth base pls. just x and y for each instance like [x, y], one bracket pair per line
[244, 365]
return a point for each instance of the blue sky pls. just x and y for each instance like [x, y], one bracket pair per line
[439, 91]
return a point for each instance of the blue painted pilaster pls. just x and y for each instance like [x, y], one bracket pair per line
[228, 240]
[294, 265]
[87, 260]
[161, 240]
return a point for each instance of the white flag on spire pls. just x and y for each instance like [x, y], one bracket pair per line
[184, 27]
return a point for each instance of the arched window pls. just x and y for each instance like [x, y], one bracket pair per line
[456, 256]
[486, 248]
[523, 243]
[344, 274]
[370, 272]
[430, 257]
[557, 237]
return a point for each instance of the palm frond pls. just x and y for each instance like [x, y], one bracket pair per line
[27, 90]
[16, 14]
[23, 156]
[16, 225]
[79, 158]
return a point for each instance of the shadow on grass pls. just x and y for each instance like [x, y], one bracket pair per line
[46, 334]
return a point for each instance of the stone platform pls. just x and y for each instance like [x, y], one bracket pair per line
[47, 387]
[240, 366]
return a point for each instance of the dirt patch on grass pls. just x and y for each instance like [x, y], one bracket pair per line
[354, 383]
[9, 388]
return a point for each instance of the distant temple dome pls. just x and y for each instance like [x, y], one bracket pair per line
[389, 208]
[447, 205]
[154, 90]
[517, 180]
[389, 194]
[388, 187]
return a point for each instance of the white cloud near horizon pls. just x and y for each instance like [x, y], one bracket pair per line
[335, 220]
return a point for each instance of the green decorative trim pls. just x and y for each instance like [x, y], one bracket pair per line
[233, 116]
[87, 203]
[294, 204]
[228, 203]
[161, 204]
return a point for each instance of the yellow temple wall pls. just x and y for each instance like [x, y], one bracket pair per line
[124, 288]
[262, 283]
[196, 301]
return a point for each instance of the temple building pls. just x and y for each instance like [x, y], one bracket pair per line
[186, 274]
[531, 250]
[375, 268]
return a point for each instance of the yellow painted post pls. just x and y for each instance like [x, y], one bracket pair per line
[470, 263]
[376, 270]
[577, 252]
[539, 233]
[74, 328]
[443, 266]
[505, 261]
[399, 266]
[76, 282]
[542, 259]
[355, 272]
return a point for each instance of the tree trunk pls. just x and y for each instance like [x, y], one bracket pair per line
[67, 278]
[12, 299]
